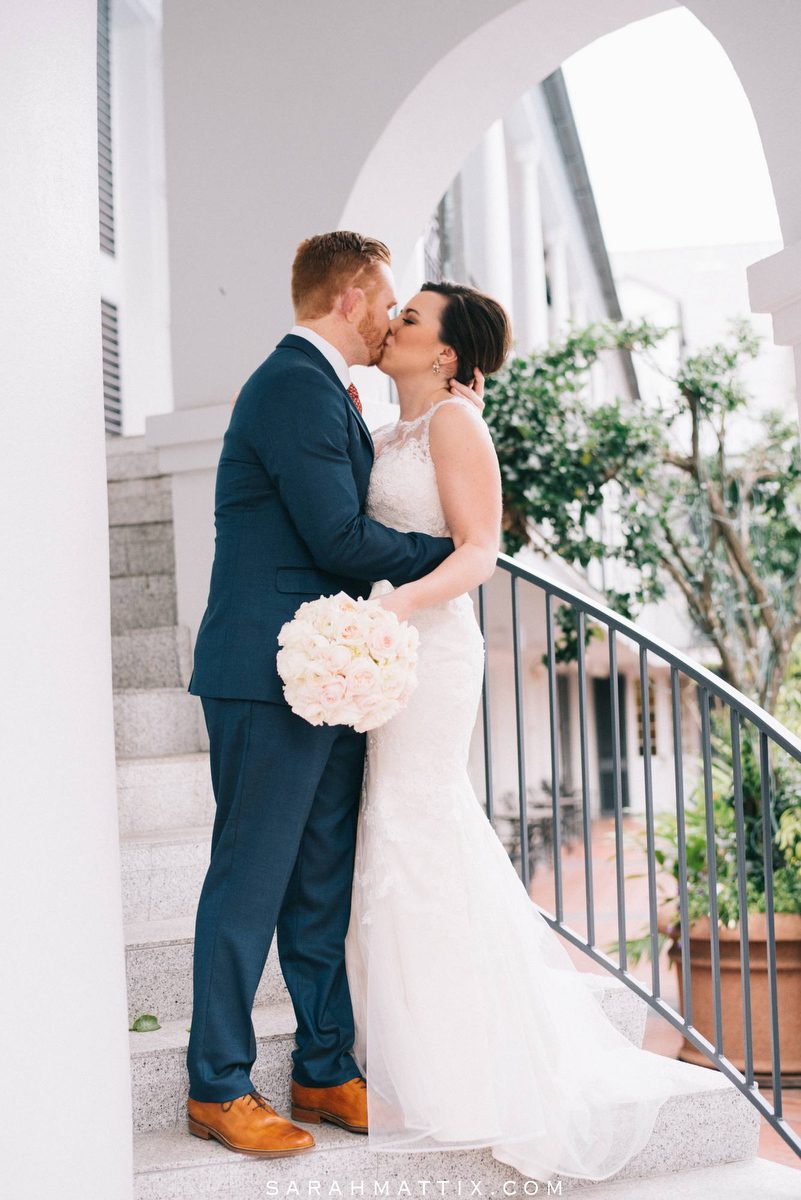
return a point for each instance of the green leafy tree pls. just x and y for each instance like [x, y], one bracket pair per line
[720, 523]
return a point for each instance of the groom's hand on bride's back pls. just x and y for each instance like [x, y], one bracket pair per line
[474, 392]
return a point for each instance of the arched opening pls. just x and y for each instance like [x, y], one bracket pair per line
[434, 129]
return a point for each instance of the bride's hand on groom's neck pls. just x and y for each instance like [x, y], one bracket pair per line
[474, 393]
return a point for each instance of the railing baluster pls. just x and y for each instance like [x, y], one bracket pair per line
[554, 728]
[678, 768]
[767, 853]
[645, 707]
[485, 708]
[521, 752]
[771, 733]
[712, 867]
[742, 894]
[586, 825]
[618, 788]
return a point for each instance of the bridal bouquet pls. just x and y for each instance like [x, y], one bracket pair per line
[347, 662]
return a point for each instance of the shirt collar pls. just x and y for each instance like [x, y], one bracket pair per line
[333, 355]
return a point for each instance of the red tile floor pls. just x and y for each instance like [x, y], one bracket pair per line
[660, 1036]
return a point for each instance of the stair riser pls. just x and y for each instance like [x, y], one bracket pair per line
[140, 501]
[149, 724]
[151, 658]
[141, 550]
[160, 881]
[160, 1082]
[131, 462]
[142, 602]
[160, 980]
[164, 794]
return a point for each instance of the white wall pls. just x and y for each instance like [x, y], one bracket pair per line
[65, 1108]
[704, 286]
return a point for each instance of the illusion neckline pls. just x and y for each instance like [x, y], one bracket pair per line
[427, 413]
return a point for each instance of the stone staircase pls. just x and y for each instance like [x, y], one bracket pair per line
[704, 1142]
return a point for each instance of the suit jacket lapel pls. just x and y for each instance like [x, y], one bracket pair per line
[301, 343]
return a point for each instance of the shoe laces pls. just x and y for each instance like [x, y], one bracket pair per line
[258, 1100]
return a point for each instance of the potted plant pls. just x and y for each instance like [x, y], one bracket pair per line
[786, 825]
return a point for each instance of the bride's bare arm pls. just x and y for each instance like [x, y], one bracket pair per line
[469, 482]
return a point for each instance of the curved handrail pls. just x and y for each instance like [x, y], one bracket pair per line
[747, 708]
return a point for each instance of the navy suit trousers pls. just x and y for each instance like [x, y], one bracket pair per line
[282, 851]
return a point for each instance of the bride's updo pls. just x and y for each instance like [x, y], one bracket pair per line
[475, 325]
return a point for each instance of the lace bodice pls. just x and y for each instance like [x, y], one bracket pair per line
[403, 489]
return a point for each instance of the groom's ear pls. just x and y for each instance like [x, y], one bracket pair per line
[352, 304]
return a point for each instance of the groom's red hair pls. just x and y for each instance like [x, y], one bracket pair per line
[328, 263]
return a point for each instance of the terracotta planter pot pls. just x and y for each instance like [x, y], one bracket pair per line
[788, 967]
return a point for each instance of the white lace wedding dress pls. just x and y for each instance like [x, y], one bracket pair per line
[473, 1026]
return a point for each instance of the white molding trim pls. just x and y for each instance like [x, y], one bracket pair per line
[774, 286]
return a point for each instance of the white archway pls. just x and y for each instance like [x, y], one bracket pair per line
[262, 153]
[439, 122]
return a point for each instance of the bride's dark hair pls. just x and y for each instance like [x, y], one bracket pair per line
[475, 325]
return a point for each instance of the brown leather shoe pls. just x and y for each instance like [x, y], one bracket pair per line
[345, 1104]
[247, 1124]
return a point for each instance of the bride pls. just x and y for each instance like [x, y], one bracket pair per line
[473, 1026]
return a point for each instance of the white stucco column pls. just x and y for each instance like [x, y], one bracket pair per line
[556, 241]
[65, 1107]
[534, 323]
[496, 227]
[580, 313]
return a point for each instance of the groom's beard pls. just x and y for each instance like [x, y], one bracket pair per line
[372, 338]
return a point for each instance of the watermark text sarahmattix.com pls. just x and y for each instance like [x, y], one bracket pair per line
[430, 1189]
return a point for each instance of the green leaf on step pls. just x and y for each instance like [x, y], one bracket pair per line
[145, 1023]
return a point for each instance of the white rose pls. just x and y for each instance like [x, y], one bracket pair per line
[362, 675]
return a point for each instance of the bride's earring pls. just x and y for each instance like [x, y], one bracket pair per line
[436, 368]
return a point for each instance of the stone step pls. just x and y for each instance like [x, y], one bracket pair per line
[163, 872]
[158, 957]
[175, 1165]
[706, 1121]
[140, 501]
[152, 658]
[157, 722]
[159, 1079]
[163, 793]
[141, 549]
[142, 602]
[130, 458]
[158, 1066]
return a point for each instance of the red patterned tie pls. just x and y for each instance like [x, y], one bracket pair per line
[354, 395]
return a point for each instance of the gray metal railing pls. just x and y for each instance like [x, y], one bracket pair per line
[770, 733]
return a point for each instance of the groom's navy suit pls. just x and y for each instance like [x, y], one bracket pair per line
[291, 484]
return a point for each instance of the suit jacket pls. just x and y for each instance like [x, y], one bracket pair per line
[291, 484]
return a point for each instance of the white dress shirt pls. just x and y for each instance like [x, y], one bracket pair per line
[333, 355]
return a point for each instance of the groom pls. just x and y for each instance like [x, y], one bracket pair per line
[291, 484]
